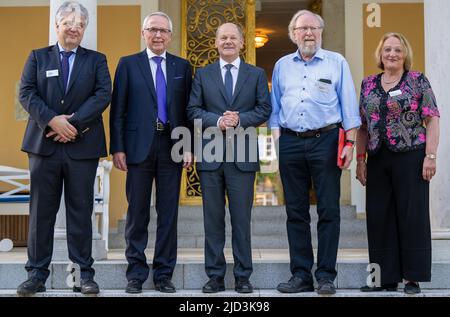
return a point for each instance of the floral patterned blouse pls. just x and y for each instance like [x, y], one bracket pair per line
[395, 118]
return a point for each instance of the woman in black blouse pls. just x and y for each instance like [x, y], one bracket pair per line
[399, 137]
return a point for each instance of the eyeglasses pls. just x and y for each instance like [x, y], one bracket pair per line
[71, 24]
[304, 29]
[155, 31]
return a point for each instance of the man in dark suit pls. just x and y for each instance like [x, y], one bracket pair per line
[65, 88]
[225, 95]
[150, 95]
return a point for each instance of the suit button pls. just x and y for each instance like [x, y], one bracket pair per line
[62, 101]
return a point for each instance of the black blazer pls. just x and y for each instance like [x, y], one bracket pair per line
[134, 108]
[87, 96]
[208, 102]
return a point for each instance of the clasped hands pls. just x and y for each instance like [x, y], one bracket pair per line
[230, 119]
[61, 129]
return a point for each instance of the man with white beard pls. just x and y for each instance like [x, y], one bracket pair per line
[312, 97]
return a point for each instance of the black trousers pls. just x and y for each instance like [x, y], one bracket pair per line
[48, 174]
[303, 159]
[167, 174]
[238, 186]
[398, 219]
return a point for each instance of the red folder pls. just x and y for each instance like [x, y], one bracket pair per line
[341, 144]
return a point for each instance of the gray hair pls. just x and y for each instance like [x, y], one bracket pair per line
[295, 18]
[69, 7]
[160, 14]
[239, 29]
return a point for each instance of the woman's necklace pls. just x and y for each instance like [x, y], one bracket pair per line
[390, 82]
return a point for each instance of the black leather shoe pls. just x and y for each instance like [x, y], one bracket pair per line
[412, 288]
[87, 287]
[214, 285]
[134, 287]
[30, 287]
[243, 286]
[165, 286]
[295, 285]
[326, 287]
[391, 287]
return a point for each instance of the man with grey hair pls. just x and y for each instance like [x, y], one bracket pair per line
[65, 88]
[150, 95]
[312, 97]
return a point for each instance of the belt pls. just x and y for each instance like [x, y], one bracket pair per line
[162, 126]
[311, 133]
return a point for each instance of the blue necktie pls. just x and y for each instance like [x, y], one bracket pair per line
[65, 67]
[160, 90]
[229, 82]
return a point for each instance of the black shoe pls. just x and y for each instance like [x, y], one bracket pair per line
[214, 285]
[165, 286]
[412, 288]
[30, 287]
[295, 285]
[243, 286]
[326, 287]
[391, 287]
[87, 287]
[134, 287]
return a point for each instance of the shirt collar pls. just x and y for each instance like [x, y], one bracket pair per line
[150, 54]
[61, 49]
[236, 63]
[319, 54]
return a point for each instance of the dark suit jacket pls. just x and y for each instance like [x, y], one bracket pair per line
[134, 107]
[208, 102]
[88, 95]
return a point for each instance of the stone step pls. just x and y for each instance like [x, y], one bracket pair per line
[270, 268]
[268, 228]
[259, 213]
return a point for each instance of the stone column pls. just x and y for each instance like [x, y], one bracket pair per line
[89, 41]
[437, 64]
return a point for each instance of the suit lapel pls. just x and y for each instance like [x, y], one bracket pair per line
[170, 73]
[80, 58]
[55, 63]
[241, 80]
[144, 66]
[216, 74]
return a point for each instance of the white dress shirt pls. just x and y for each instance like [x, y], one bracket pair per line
[154, 65]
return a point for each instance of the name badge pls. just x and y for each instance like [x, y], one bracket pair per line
[395, 93]
[52, 73]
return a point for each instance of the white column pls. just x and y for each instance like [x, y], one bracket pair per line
[437, 65]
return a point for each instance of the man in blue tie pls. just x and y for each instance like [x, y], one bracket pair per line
[229, 95]
[65, 88]
[151, 91]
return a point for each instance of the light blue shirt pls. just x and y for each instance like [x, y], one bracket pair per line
[71, 60]
[308, 95]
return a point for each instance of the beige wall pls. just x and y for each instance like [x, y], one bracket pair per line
[20, 29]
[405, 18]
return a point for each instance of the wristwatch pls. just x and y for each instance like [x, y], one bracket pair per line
[431, 156]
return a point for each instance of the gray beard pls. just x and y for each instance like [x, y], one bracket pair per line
[309, 51]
